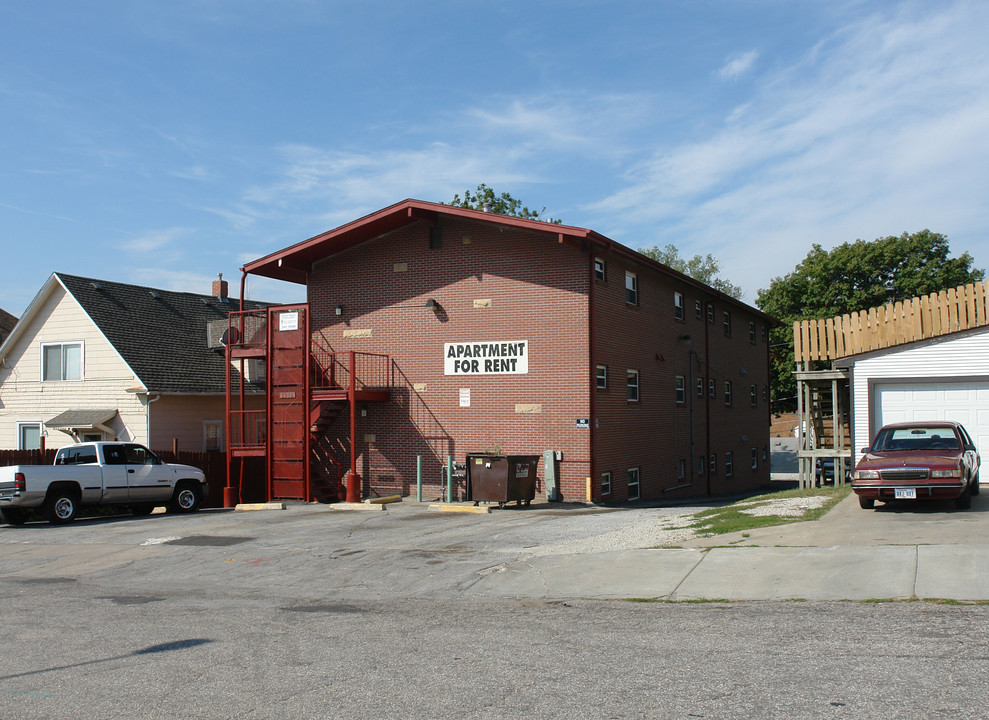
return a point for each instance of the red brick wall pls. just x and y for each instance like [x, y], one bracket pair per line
[537, 291]
[657, 432]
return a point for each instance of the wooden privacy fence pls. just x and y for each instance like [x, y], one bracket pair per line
[919, 318]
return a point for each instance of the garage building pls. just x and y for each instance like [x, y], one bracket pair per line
[434, 332]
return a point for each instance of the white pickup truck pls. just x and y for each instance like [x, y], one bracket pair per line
[100, 473]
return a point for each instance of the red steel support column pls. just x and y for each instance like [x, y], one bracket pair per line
[353, 479]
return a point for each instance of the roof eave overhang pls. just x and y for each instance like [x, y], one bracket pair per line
[294, 263]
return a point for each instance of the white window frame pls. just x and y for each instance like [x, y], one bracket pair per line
[699, 310]
[633, 473]
[21, 427]
[714, 463]
[632, 385]
[752, 332]
[712, 387]
[729, 464]
[754, 395]
[62, 348]
[678, 305]
[631, 288]
[680, 389]
[726, 322]
[700, 387]
[606, 483]
[600, 270]
[601, 377]
[727, 392]
[755, 458]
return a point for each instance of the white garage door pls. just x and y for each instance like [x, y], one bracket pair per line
[964, 402]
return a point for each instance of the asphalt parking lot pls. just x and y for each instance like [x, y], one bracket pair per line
[544, 551]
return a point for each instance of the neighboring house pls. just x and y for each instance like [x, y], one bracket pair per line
[472, 332]
[98, 360]
[923, 359]
[7, 322]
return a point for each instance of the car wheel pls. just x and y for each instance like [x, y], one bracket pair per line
[142, 509]
[964, 501]
[867, 503]
[61, 507]
[975, 485]
[14, 516]
[186, 499]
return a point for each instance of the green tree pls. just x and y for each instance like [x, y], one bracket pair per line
[703, 268]
[485, 198]
[853, 277]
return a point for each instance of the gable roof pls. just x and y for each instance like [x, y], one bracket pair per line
[294, 263]
[160, 334]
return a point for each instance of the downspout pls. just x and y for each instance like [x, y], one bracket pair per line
[592, 379]
[707, 394]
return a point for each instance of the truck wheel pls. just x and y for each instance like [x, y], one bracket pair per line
[14, 516]
[867, 503]
[142, 509]
[186, 499]
[60, 507]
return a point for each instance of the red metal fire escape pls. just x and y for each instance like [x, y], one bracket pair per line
[305, 388]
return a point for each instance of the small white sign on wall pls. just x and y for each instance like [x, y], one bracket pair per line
[288, 321]
[464, 397]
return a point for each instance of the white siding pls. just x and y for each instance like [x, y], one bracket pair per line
[952, 372]
[25, 398]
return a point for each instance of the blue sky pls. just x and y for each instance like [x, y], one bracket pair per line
[163, 142]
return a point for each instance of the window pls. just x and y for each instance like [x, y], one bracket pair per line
[213, 436]
[726, 322]
[727, 392]
[700, 387]
[28, 436]
[602, 377]
[681, 390]
[752, 333]
[765, 392]
[699, 309]
[712, 387]
[700, 465]
[681, 468]
[764, 333]
[729, 467]
[678, 305]
[754, 395]
[755, 459]
[61, 361]
[632, 383]
[714, 463]
[633, 483]
[606, 483]
[631, 289]
[600, 272]
[710, 313]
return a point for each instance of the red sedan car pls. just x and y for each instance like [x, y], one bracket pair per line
[916, 461]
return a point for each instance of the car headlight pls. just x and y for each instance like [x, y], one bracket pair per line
[946, 473]
[866, 474]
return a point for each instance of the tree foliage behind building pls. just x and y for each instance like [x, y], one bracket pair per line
[703, 268]
[485, 198]
[854, 277]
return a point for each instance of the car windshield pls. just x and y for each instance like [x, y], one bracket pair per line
[916, 438]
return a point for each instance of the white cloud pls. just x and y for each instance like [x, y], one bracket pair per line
[738, 65]
[155, 240]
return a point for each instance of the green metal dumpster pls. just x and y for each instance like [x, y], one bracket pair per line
[502, 478]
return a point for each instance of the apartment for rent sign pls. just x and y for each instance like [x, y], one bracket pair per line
[486, 358]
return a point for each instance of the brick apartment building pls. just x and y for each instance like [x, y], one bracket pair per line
[515, 336]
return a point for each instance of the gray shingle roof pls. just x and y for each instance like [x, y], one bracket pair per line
[161, 334]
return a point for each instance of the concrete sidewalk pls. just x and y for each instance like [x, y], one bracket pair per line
[850, 554]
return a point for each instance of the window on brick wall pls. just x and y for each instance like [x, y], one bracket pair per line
[680, 389]
[606, 483]
[710, 312]
[678, 305]
[726, 322]
[633, 483]
[752, 332]
[755, 458]
[632, 383]
[600, 270]
[601, 377]
[729, 464]
[754, 395]
[727, 392]
[631, 288]
[714, 463]
[699, 309]
[712, 387]
[681, 468]
[701, 461]
[700, 387]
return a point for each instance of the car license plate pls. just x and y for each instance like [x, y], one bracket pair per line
[905, 493]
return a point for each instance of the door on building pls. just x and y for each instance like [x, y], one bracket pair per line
[966, 402]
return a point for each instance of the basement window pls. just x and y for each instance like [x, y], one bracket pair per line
[633, 483]
[606, 483]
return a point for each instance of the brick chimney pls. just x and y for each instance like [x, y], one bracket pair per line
[220, 287]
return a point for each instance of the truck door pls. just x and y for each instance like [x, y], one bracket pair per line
[148, 479]
[115, 483]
